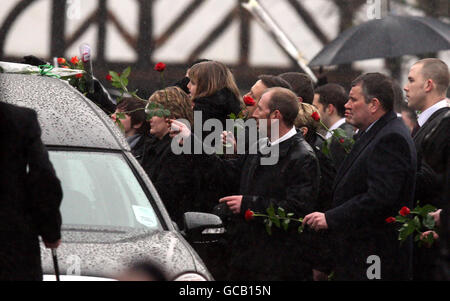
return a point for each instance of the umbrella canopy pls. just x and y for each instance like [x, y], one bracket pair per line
[391, 36]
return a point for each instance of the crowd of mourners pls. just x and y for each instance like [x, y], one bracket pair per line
[345, 168]
[385, 158]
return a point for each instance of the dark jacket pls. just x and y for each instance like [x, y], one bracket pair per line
[139, 150]
[171, 176]
[217, 106]
[30, 195]
[376, 179]
[319, 252]
[337, 152]
[430, 183]
[436, 153]
[292, 184]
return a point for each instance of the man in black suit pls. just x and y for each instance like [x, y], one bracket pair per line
[376, 179]
[30, 195]
[330, 100]
[426, 91]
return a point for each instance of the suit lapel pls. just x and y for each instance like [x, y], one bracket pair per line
[425, 128]
[360, 145]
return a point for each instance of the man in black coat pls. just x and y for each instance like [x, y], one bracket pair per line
[376, 179]
[330, 100]
[290, 182]
[427, 86]
[30, 195]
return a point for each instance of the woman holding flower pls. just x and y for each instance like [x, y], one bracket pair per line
[214, 92]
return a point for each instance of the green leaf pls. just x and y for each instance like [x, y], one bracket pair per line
[405, 231]
[290, 214]
[124, 82]
[281, 212]
[115, 76]
[326, 148]
[340, 133]
[427, 209]
[401, 219]
[429, 239]
[125, 73]
[120, 115]
[300, 229]
[417, 237]
[117, 85]
[119, 123]
[232, 116]
[416, 222]
[271, 211]
[286, 224]
[428, 222]
[276, 221]
[268, 226]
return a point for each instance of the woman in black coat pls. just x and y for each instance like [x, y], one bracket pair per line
[320, 250]
[214, 92]
[215, 95]
[170, 173]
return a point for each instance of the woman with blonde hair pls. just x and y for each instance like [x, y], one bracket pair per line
[320, 255]
[213, 91]
[170, 173]
[307, 124]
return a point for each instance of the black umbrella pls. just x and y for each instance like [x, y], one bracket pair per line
[391, 36]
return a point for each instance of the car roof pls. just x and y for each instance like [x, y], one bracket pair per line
[66, 117]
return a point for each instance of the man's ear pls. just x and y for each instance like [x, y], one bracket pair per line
[277, 114]
[300, 99]
[429, 85]
[304, 130]
[376, 105]
[330, 108]
[138, 125]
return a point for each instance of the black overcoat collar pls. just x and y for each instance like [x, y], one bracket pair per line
[360, 144]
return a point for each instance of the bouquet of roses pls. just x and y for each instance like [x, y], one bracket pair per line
[416, 221]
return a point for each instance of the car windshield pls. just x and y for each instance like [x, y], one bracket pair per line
[100, 189]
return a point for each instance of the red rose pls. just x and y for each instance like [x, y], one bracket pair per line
[390, 220]
[249, 215]
[74, 60]
[160, 67]
[315, 116]
[404, 211]
[342, 140]
[61, 60]
[79, 75]
[109, 77]
[249, 101]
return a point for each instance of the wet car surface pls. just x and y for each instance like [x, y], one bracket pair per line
[112, 214]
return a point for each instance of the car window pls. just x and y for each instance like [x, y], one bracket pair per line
[100, 189]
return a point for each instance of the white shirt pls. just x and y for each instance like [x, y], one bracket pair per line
[333, 127]
[285, 137]
[423, 117]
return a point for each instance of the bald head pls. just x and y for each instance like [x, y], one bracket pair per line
[437, 71]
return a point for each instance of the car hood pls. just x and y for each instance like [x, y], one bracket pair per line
[106, 252]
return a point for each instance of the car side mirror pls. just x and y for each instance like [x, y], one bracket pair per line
[202, 227]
